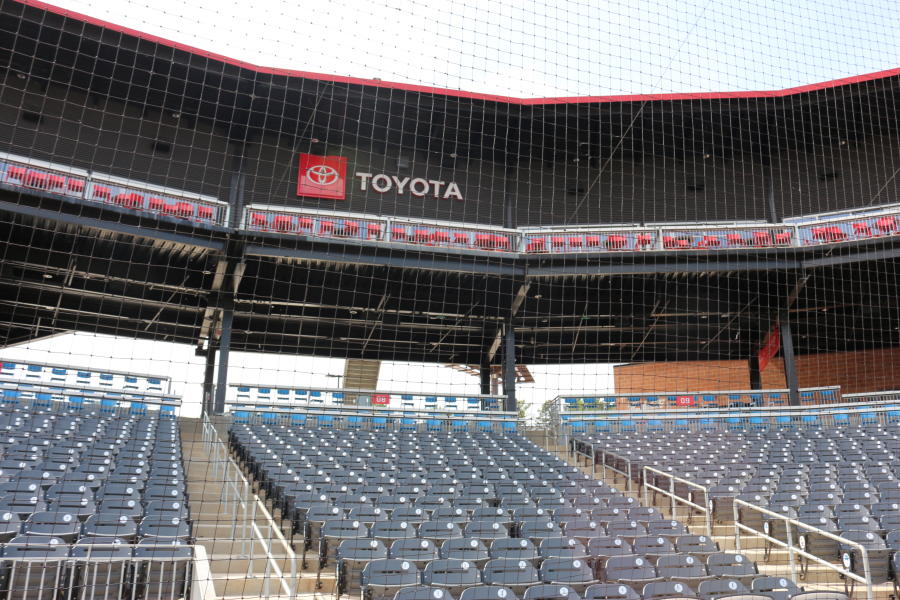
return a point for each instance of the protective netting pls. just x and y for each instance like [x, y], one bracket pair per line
[455, 300]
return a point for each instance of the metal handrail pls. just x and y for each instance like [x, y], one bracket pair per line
[240, 489]
[865, 579]
[676, 498]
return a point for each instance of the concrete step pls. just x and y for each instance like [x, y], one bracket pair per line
[223, 563]
[241, 585]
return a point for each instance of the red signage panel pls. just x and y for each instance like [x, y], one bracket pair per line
[684, 401]
[381, 398]
[322, 176]
[770, 348]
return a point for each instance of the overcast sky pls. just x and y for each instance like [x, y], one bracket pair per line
[537, 48]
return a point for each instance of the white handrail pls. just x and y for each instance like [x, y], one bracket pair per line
[865, 579]
[676, 498]
[234, 480]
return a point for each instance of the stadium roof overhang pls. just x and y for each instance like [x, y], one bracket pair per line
[245, 101]
[102, 270]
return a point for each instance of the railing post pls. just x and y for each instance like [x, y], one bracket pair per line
[791, 557]
[671, 494]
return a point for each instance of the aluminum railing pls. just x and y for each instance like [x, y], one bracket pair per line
[885, 410]
[251, 521]
[687, 400]
[370, 417]
[674, 499]
[31, 174]
[792, 527]
[56, 374]
[851, 226]
[113, 570]
[262, 395]
[619, 239]
[370, 228]
[13, 392]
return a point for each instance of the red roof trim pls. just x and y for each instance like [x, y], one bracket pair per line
[460, 93]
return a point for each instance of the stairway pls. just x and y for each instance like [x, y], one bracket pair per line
[236, 529]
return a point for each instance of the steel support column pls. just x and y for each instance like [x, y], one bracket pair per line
[790, 364]
[484, 375]
[755, 374]
[209, 380]
[224, 350]
[509, 368]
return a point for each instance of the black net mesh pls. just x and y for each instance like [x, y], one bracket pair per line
[449, 300]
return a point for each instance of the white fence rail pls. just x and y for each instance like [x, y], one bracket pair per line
[792, 527]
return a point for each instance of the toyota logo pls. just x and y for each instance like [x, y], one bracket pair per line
[322, 174]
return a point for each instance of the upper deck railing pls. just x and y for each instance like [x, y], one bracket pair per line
[852, 225]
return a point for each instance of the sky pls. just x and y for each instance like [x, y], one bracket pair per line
[506, 47]
[539, 48]
[177, 361]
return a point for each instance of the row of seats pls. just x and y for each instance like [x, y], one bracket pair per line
[652, 424]
[392, 510]
[69, 475]
[353, 228]
[259, 396]
[842, 480]
[127, 197]
[769, 588]
[60, 374]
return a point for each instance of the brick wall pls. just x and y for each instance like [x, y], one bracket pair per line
[862, 371]
[692, 376]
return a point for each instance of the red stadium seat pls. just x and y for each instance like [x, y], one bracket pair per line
[36, 179]
[762, 238]
[16, 172]
[76, 185]
[536, 245]
[835, 233]
[886, 224]
[205, 213]
[643, 240]
[557, 242]
[616, 242]
[576, 242]
[709, 241]
[283, 223]
[305, 224]
[862, 229]
[483, 240]
[170, 209]
[440, 237]
[398, 233]
[592, 241]
[184, 209]
[258, 220]
[56, 181]
[501, 242]
[157, 204]
[350, 229]
[421, 236]
[783, 238]
[461, 237]
[373, 230]
[129, 200]
[734, 239]
[668, 241]
[326, 227]
[682, 243]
